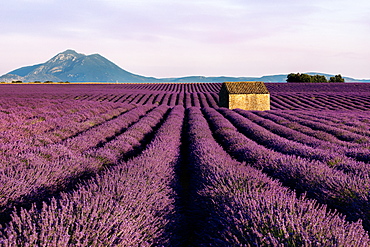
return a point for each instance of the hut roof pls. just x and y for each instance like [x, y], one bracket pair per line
[246, 87]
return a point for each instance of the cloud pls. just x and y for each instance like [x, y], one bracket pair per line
[200, 20]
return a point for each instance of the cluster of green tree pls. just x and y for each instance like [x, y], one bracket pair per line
[305, 78]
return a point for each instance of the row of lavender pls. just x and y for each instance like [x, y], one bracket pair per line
[334, 173]
[278, 102]
[37, 161]
[237, 204]
[318, 101]
[131, 204]
[284, 96]
[145, 175]
[177, 88]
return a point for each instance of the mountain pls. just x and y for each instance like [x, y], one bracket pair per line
[75, 67]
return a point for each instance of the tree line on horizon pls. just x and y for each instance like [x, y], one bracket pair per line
[305, 78]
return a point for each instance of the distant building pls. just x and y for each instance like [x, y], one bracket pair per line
[245, 95]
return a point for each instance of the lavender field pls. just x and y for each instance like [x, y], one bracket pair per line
[163, 165]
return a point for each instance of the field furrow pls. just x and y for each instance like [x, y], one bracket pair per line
[161, 164]
[224, 191]
[345, 192]
[59, 167]
[132, 204]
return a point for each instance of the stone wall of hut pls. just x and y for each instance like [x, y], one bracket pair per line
[256, 102]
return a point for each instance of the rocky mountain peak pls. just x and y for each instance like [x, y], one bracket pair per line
[68, 55]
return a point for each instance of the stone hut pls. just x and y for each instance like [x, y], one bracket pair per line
[245, 95]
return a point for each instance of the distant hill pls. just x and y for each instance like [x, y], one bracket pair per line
[75, 67]
[267, 78]
[271, 78]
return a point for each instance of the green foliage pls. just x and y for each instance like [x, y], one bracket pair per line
[319, 79]
[293, 77]
[305, 78]
[17, 81]
[337, 78]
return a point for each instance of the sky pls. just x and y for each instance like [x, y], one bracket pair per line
[164, 38]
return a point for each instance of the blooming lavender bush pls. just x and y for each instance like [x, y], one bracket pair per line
[235, 205]
[130, 205]
[55, 167]
[163, 165]
[345, 192]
